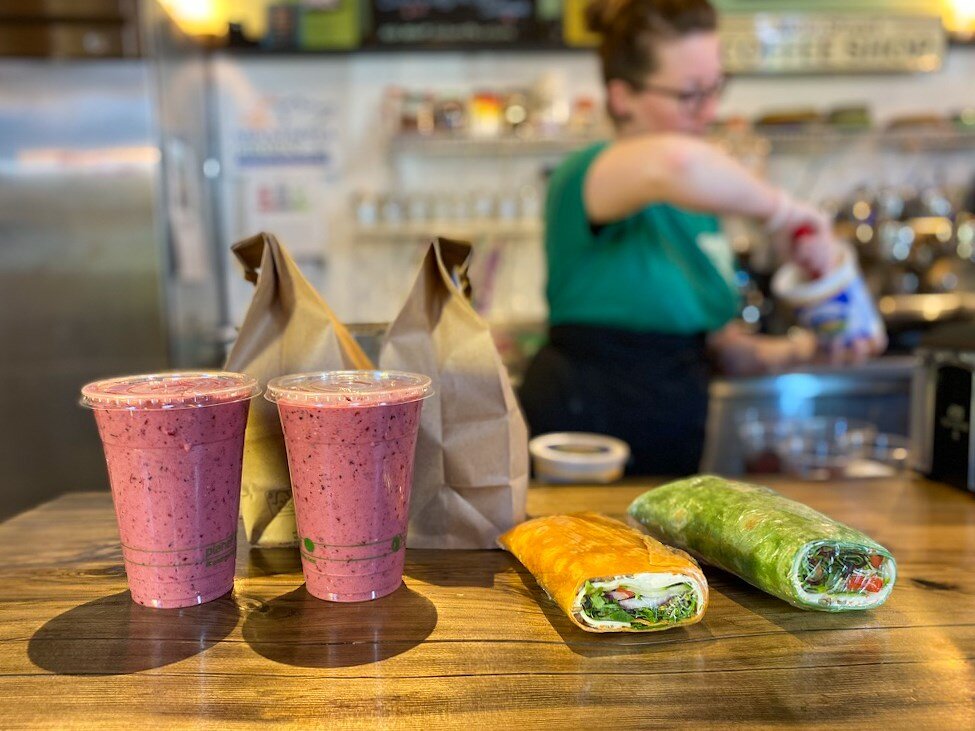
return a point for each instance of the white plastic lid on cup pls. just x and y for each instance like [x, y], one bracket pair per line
[792, 285]
[348, 388]
[173, 390]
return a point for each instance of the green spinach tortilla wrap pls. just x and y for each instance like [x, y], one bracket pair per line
[778, 545]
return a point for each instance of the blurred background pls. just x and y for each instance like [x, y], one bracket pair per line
[140, 138]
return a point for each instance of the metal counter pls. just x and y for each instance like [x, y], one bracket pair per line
[878, 392]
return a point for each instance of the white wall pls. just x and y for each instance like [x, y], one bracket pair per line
[366, 282]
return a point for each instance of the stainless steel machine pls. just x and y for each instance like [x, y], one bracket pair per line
[943, 397]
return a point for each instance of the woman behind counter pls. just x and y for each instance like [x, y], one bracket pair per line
[641, 287]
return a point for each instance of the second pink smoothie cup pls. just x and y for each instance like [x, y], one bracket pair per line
[351, 438]
[174, 444]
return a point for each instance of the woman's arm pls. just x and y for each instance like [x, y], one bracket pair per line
[691, 173]
[685, 171]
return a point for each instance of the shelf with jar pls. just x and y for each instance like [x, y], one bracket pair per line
[933, 139]
[450, 145]
[542, 119]
[809, 131]
[810, 139]
[480, 129]
[413, 232]
[510, 215]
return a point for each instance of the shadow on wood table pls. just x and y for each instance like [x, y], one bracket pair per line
[262, 562]
[115, 636]
[777, 614]
[457, 568]
[740, 610]
[595, 644]
[298, 629]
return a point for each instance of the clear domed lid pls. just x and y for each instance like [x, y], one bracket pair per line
[173, 390]
[349, 388]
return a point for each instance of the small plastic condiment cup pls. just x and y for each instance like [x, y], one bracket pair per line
[578, 457]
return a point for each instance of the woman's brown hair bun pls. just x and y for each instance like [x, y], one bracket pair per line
[631, 28]
[600, 14]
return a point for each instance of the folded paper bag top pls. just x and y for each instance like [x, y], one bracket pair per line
[471, 475]
[288, 328]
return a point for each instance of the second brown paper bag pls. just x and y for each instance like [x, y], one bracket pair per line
[471, 473]
[288, 328]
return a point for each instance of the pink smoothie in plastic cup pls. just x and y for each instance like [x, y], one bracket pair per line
[173, 444]
[351, 437]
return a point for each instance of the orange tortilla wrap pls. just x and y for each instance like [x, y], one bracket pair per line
[590, 565]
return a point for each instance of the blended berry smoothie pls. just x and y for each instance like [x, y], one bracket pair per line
[173, 445]
[351, 438]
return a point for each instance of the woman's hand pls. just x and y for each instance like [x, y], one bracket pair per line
[740, 353]
[856, 352]
[803, 234]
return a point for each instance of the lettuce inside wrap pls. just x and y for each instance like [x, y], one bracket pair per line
[776, 544]
[607, 576]
[644, 601]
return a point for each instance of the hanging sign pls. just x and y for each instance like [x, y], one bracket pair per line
[772, 43]
[454, 23]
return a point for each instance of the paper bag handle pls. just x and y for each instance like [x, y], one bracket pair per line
[454, 258]
[250, 253]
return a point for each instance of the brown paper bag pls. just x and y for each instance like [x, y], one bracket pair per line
[288, 329]
[471, 472]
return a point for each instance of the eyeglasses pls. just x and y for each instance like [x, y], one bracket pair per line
[690, 100]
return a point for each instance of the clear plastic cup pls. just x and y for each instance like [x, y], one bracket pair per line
[351, 438]
[173, 445]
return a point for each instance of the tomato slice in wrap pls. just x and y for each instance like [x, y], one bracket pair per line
[776, 544]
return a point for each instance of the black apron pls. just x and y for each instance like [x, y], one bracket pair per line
[648, 389]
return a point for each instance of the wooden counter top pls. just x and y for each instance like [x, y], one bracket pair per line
[471, 641]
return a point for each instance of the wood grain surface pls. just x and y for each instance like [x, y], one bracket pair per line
[471, 641]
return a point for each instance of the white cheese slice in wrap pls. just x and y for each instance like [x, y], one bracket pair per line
[657, 588]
